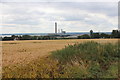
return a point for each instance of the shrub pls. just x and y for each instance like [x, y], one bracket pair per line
[95, 57]
[85, 36]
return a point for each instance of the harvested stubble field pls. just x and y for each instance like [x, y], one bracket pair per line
[22, 52]
[46, 58]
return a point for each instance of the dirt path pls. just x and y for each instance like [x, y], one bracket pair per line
[22, 52]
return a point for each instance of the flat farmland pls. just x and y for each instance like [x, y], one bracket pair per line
[22, 52]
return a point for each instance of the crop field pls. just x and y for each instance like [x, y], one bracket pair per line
[33, 58]
[25, 51]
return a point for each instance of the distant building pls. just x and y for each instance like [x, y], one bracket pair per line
[63, 32]
[58, 34]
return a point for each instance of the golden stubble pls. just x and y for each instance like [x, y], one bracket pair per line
[22, 52]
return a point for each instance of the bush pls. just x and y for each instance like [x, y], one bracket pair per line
[26, 37]
[95, 58]
[85, 36]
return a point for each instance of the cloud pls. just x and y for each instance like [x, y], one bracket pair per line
[71, 16]
[59, 0]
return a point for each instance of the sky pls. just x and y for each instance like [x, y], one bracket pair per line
[33, 17]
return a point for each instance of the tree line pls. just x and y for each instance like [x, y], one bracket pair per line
[114, 34]
[92, 35]
[27, 37]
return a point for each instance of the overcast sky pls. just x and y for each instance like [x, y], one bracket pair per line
[70, 16]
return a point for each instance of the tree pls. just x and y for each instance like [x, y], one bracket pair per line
[115, 34]
[91, 33]
[26, 37]
[34, 37]
[103, 35]
[96, 35]
[7, 38]
[85, 36]
[13, 36]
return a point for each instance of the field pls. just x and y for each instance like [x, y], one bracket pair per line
[25, 51]
[21, 54]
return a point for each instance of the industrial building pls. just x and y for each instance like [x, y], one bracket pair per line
[60, 33]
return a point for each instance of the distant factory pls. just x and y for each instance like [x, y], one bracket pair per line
[60, 33]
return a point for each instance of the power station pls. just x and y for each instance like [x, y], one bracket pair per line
[58, 33]
[63, 32]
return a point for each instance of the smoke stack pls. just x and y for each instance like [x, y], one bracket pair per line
[55, 27]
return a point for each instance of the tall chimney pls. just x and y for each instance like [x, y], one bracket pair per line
[55, 27]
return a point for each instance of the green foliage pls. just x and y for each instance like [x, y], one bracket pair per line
[96, 35]
[26, 37]
[116, 34]
[7, 38]
[85, 36]
[103, 35]
[91, 33]
[98, 57]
